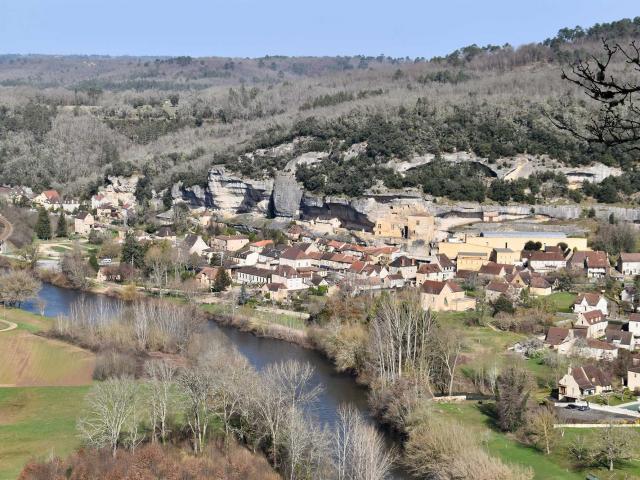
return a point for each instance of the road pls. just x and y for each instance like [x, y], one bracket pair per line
[7, 229]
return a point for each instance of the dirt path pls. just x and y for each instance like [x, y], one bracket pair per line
[7, 229]
[10, 326]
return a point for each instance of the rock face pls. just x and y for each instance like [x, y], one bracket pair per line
[286, 196]
[283, 197]
[226, 193]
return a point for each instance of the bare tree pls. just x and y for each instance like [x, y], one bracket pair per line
[18, 286]
[540, 428]
[446, 351]
[609, 86]
[359, 449]
[162, 377]
[401, 339]
[614, 445]
[284, 386]
[158, 259]
[307, 449]
[110, 407]
[197, 383]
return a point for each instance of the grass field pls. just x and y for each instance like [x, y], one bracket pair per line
[563, 301]
[509, 450]
[27, 359]
[260, 317]
[36, 422]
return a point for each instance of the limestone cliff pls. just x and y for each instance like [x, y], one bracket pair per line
[286, 196]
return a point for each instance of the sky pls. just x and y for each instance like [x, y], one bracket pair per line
[254, 28]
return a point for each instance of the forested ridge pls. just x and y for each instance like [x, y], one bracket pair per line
[66, 122]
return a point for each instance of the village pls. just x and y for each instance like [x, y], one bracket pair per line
[595, 302]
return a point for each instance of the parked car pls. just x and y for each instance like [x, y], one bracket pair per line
[584, 408]
[571, 406]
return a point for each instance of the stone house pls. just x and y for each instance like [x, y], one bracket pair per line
[621, 339]
[429, 271]
[633, 378]
[229, 243]
[580, 382]
[195, 244]
[594, 321]
[295, 258]
[629, 264]
[289, 277]
[275, 291]
[505, 256]
[49, 199]
[83, 223]
[447, 266]
[546, 261]
[539, 286]
[595, 264]
[405, 266]
[445, 296]
[496, 288]
[472, 261]
[586, 302]
[206, 277]
[253, 275]
[634, 324]
[492, 270]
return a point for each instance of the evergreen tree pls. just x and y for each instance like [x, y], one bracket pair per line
[43, 225]
[61, 228]
[222, 281]
[244, 296]
[132, 251]
[93, 261]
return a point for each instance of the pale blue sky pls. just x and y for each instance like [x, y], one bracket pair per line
[251, 28]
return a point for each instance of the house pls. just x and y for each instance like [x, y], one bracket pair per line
[165, 232]
[206, 277]
[407, 267]
[260, 245]
[539, 286]
[629, 294]
[586, 302]
[394, 280]
[634, 324]
[275, 291]
[83, 223]
[471, 260]
[492, 270]
[253, 275]
[295, 258]
[580, 382]
[546, 261]
[595, 264]
[429, 271]
[289, 277]
[49, 199]
[444, 296]
[495, 288]
[633, 378]
[621, 339]
[560, 339]
[505, 255]
[270, 255]
[594, 322]
[447, 266]
[629, 264]
[194, 244]
[596, 349]
[245, 257]
[229, 243]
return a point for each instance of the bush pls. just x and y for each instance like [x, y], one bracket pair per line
[111, 364]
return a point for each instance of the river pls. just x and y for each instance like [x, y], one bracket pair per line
[338, 388]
